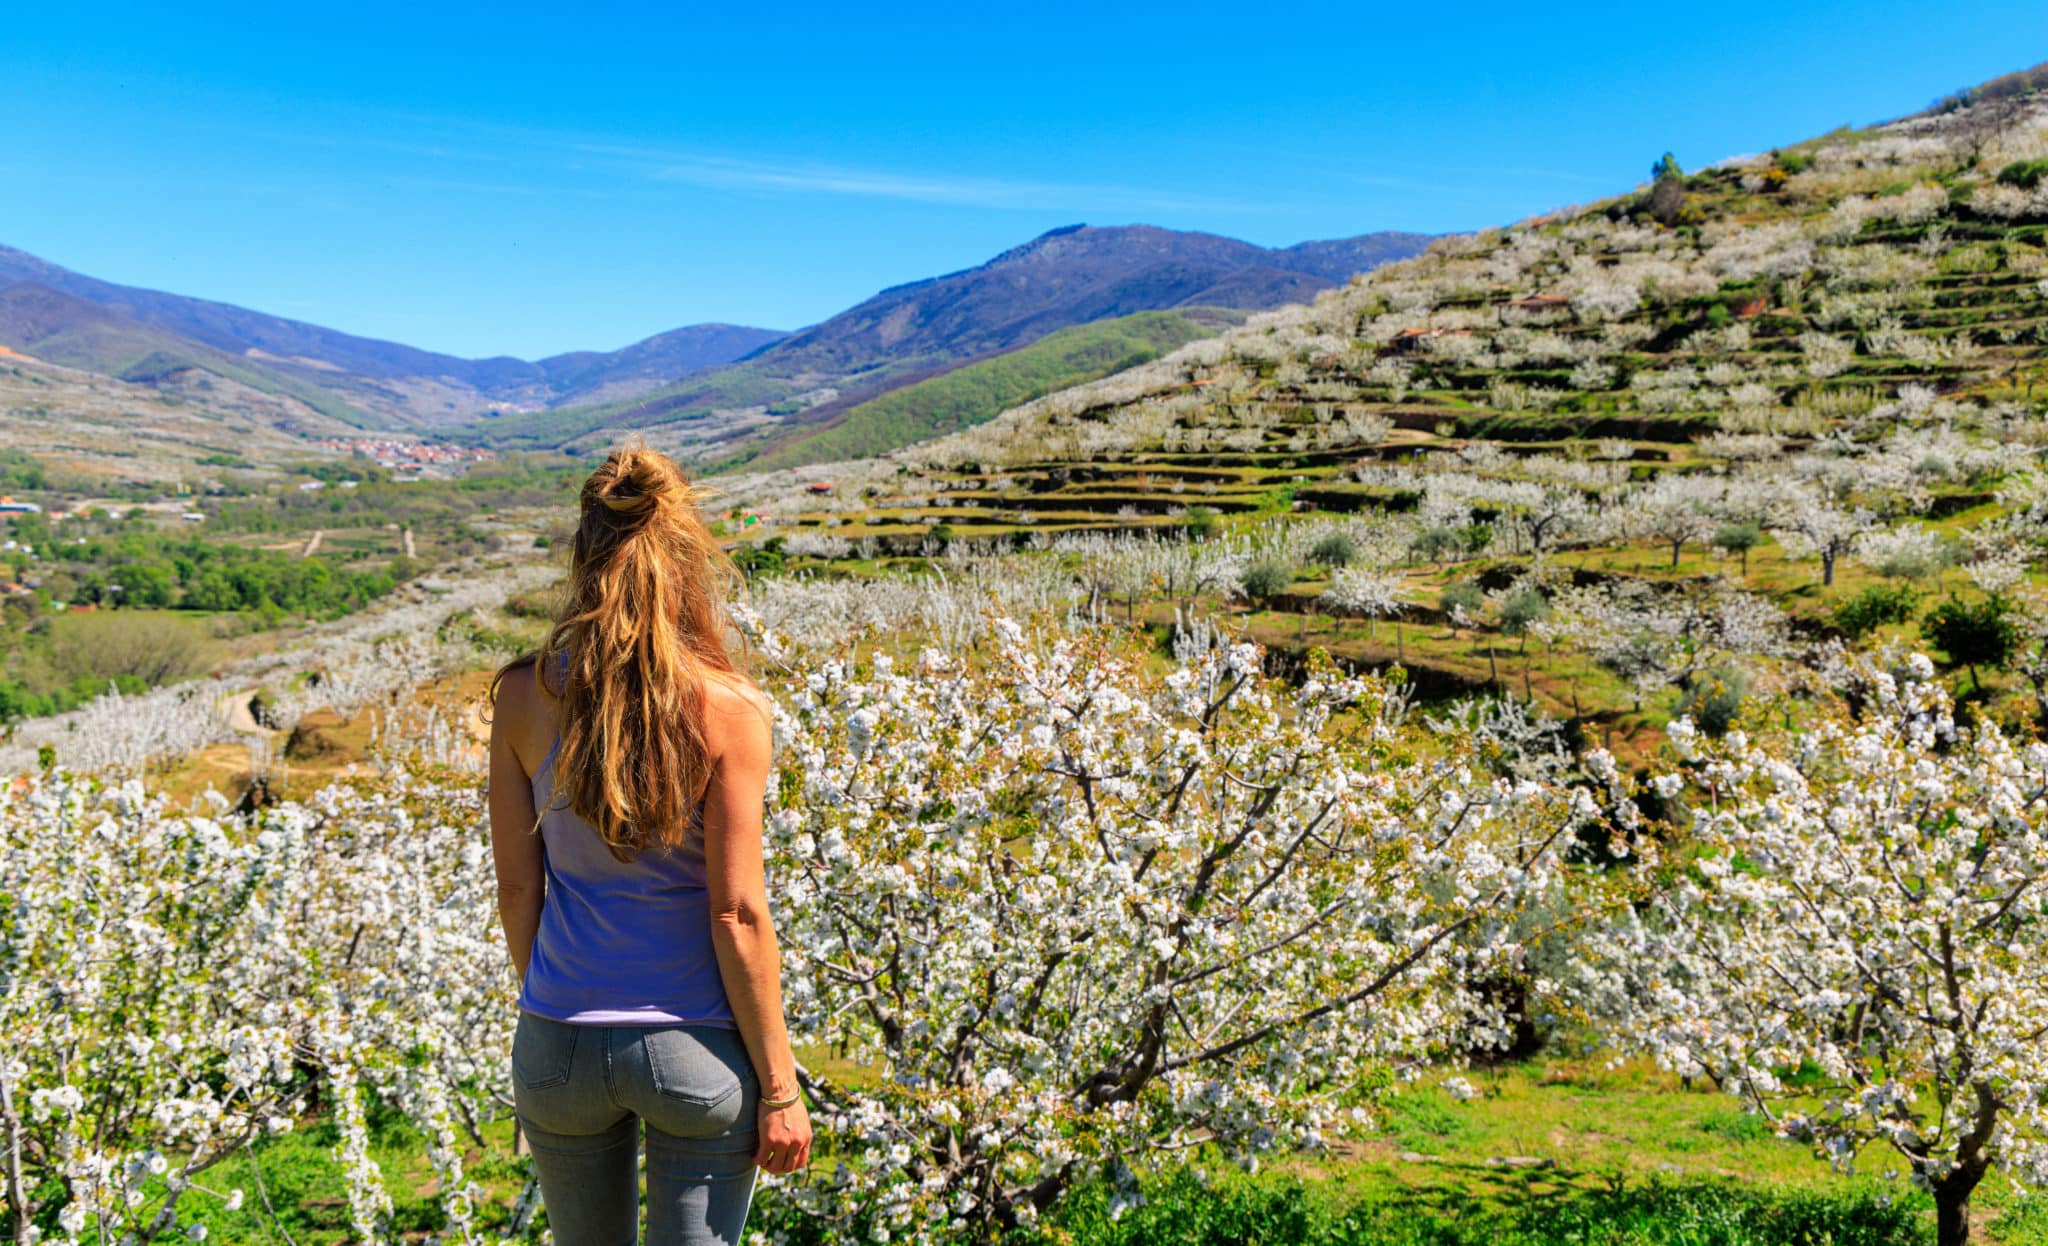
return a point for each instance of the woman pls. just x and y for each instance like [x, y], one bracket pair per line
[629, 759]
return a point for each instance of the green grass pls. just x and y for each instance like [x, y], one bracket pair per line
[1233, 1211]
[1628, 1156]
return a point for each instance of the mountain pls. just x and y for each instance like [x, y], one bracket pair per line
[57, 327]
[708, 388]
[594, 376]
[1069, 276]
[96, 325]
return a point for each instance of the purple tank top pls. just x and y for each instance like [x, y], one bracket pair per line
[620, 942]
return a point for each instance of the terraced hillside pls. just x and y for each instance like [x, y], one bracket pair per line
[1673, 436]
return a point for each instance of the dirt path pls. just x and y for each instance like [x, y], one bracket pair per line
[313, 543]
[406, 537]
[237, 710]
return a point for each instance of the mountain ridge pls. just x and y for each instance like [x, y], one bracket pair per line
[1075, 274]
[372, 375]
[708, 388]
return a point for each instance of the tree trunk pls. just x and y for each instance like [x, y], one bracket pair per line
[17, 1190]
[1745, 562]
[1675, 547]
[1951, 1219]
[1952, 1202]
[1827, 570]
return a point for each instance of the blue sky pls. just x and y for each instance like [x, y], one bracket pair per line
[523, 180]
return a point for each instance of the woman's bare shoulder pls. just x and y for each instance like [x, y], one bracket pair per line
[737, 695]
[519, 707]
[740, 718]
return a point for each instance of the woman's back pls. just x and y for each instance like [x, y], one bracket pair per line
[626, 807]
[621, 942]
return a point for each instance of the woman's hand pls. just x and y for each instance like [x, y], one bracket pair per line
[785, 1139]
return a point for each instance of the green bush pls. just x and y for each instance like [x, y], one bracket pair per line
[758, 559]
[1437, 544]
[1266, 579]
[1876, 607]
[2025, 174]
[1974, 634]
[1715, 699]
[1740, 538]
[1522, 610]
[1335, 550]
[18, 470]
[1464, 596]
[1201, 522]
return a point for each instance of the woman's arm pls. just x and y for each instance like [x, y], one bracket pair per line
[742, 931]
[515, 848]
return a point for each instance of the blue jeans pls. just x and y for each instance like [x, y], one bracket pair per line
[581, 1092]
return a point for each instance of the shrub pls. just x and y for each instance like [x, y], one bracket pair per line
[2024, 174]
[1715, 699]
[1201, 522]
[769, 558]
[1437, 544]
[1267, 579]
[1335, 550]
[1463, 598]
[1876, 607]
[1521, 611]
[96, 648]
[1739, 538]
[1974, 634]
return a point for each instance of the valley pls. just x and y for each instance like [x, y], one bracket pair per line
[1525, 736]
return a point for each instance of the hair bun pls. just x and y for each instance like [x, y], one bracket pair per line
[636, 481]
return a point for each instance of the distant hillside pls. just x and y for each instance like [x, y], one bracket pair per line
[595, 377]
[100, 326]
[976, 392]
[1075, 275]
[84, 427]
[52, 325]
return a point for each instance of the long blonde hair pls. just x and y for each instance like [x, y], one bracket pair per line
[640, 631]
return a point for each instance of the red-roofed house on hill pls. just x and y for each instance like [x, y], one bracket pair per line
[1414, 339]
